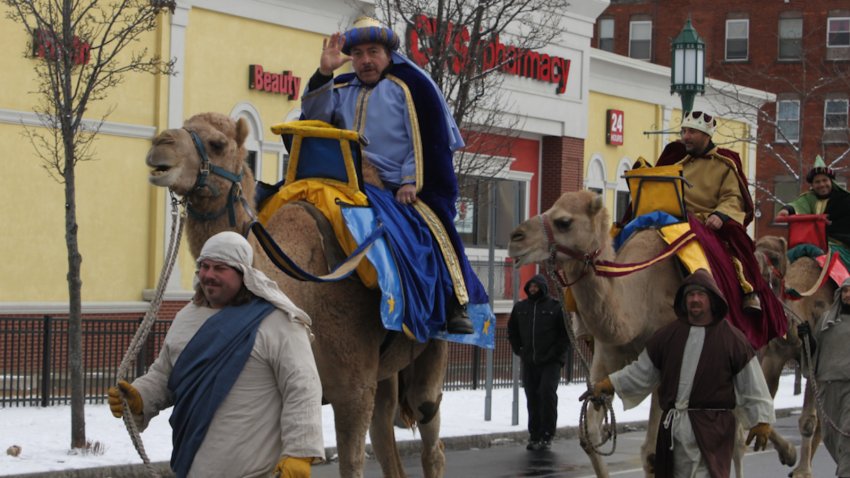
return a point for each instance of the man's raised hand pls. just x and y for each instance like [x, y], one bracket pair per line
[332, 55]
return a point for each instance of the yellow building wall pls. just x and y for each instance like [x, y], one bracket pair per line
[113, 198]
[217, 68]
[121, 217]
[112, 211]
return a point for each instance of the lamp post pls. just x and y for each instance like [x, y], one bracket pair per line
[687, 73]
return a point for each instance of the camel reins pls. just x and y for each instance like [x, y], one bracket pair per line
[587, 258]
[206, 168]
[603, 268]
[279, 258]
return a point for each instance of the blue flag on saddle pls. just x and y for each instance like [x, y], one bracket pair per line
[204, 373]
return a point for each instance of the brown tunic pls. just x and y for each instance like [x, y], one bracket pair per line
[725, 353]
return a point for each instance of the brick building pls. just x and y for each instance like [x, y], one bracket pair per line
[798, 50]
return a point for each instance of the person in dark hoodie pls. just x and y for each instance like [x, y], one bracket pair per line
[539, 337]
[703, 368]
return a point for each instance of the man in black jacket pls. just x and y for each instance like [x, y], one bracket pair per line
[539, 337]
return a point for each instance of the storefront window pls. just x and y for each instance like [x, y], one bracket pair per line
[475, 210]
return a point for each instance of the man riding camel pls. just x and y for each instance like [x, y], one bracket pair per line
[409, 135]
[825, 197]
[719, 209]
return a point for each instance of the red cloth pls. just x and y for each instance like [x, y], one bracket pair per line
[732, 239]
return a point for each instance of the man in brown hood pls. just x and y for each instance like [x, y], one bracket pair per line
[703, 368]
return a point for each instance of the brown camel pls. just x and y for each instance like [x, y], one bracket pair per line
[353, 364]
[620, 313]
[800, 275]
[581, 223]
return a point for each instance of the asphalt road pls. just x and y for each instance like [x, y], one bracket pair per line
[509, 458]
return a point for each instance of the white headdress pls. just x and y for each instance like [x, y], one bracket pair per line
[233, 249]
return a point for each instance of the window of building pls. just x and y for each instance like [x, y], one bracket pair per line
[595, 179]
[251, 160]
[606, 34]
[622, 198]
[737, 39]
[838, 32]
[835, 114]
[474, 210]
[787, 121]
[640, 40]
[790, 38]
[785, 189]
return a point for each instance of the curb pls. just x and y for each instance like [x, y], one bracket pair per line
[405, 448]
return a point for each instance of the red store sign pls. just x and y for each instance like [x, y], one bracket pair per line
[284, 83]
[513, 60]
[614, 127]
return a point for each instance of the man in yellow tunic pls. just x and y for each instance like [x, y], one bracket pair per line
[719, 208]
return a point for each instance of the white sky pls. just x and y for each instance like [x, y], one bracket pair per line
[44, 434]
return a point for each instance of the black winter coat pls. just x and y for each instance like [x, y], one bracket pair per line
[536, 329]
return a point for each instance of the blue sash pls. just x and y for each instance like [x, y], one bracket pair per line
[204, 373]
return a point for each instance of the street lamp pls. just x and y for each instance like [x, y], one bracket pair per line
[687, 73]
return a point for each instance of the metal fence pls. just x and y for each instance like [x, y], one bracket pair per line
[34, 359]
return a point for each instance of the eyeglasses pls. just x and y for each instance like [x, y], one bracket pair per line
[697, 114]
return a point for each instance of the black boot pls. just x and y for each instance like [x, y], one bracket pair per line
[457, 319]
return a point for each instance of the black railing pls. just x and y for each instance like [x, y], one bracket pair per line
[34, 359]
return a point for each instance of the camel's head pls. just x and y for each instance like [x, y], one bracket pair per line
[175, 160]
[579, 222]
[771, 254]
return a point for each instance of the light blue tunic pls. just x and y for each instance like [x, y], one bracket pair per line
[373, 111]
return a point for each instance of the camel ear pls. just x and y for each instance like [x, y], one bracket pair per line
[595, 205]
[241, 131]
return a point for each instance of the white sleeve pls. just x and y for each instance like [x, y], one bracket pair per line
[634, 382]
[752, 397]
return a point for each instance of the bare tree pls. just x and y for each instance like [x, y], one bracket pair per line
[456, 39]
[810, 81]
[87, 47]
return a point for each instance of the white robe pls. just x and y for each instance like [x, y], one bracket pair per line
[273, 409]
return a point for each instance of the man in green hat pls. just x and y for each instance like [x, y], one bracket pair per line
[825, 197]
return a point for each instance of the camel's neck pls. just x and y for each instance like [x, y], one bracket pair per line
[599, 302]
[210, 215]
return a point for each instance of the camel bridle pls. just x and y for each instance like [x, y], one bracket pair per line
[586, 258]
[234, 195]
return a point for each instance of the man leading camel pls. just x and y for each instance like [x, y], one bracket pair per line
[828, 346]
[703, 368]
[238, 368]
[410, 137]
[719, 209]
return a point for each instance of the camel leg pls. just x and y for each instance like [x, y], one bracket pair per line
[433, 457]
[423, 385]
[809, 434]
[351, 418]
[381, 431]
[775, 354]
[595, 437]
[647, 450]
[739, 451]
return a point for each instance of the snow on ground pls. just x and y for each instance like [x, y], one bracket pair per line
[44, 434]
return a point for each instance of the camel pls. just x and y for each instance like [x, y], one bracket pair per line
[580, 224]
[620, 313]
[357, 362]
[800, 275]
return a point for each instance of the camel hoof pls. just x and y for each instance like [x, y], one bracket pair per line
[650, 463]
[788, 456]
[800, 474]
